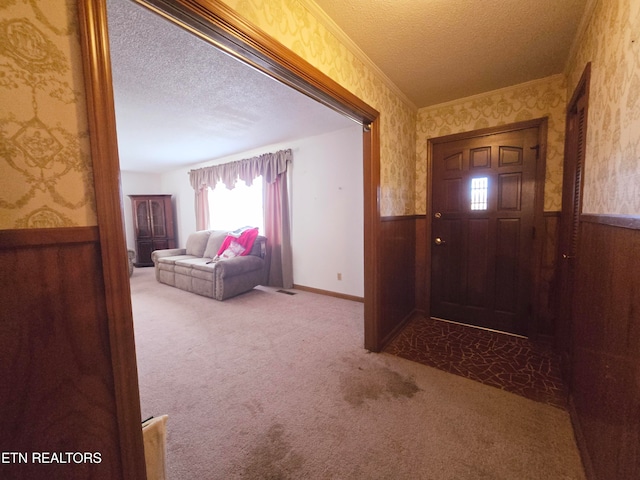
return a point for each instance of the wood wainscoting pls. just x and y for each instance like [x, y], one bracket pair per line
[397, 271]
[58, 392]
[604, 381]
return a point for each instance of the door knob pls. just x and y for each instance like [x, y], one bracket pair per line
[439, 241]
[568, 257]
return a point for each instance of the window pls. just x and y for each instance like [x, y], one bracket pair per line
[479, 192]
[240, 207]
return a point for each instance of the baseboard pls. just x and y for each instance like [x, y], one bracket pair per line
[329, 293]
[394, 333]
[581, 441]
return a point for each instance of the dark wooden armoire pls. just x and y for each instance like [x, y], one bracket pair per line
[153, 226]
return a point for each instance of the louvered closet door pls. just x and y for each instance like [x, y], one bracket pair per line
[571, 208]
[482, 230]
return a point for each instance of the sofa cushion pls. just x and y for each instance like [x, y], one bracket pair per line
[170, 261]
[197, 243]
[187, 265]
[193, 261]
[214, 243]
[238, 265]
[203, 273]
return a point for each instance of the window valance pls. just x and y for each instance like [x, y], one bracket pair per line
[269, 165]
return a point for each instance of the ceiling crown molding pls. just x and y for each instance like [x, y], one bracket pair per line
[580, 32]
[350, 45]
[499, 91]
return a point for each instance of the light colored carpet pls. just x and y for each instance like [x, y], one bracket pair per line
[272, 386]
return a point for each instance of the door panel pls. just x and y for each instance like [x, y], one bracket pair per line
[453, 195]
[483, 204]
[477, 267]
[510, 191]
[507, 268]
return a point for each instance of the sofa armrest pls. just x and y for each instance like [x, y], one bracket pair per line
[238, 265]
[169, 252]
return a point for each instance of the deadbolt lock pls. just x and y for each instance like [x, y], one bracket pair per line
[438, 215]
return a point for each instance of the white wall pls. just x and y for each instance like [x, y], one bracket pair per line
[326, 207]
[184, 207]
[327, 212]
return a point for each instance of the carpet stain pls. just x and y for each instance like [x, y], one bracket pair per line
[361, 384]
[273, 457]
[254, 407]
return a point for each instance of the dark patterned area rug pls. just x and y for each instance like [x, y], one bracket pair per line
[514, 364]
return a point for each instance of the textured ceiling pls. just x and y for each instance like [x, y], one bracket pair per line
[435, 51]
[180, 101]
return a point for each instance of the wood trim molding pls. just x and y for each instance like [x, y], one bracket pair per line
[372, 277]
[396, 218]
[621, 221]
[329, 293]
[34, 237]
[511, 127]
[106, 171]
[222, 26]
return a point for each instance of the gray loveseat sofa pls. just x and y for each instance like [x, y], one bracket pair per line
[190, 268]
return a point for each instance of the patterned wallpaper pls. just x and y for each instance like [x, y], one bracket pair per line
[611, 42]
[294, 26]
[45, 165]
[540, 98]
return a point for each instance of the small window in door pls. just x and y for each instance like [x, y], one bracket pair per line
[479, 193]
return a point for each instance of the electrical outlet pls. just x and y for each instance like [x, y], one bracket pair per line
[339, 276]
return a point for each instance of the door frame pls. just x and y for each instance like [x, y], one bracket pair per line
[538, 209]
[221, 26]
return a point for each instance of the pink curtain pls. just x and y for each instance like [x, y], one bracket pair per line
[202, 208]
[277, 231]
[273, 169]
[269, 165]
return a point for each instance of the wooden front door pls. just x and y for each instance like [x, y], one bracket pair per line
[483, 228]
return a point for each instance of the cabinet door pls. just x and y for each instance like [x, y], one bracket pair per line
[161, 244]
[143, 222]
[158, 224]
[143, 252]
